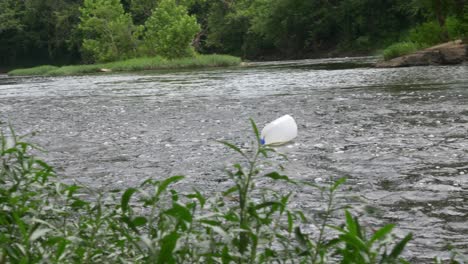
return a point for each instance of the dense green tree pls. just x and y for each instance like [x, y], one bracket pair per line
[227, 27]
[38, 30]
[169, 31]
[11, 30]
[108, 31]
[66, 31]
[141, 10]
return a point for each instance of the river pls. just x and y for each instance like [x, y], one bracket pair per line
[399, 135]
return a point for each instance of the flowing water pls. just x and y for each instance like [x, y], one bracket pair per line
[399, 135]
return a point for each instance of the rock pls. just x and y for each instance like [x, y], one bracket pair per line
[453, 52]
[104, 70]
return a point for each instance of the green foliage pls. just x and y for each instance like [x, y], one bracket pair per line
[457, 28]
[169, 31]
[42, 220]
[426, 34]
[10, 16]
[108, 31]
[37, 30]
[141, 10]
[57, 32]
[227, 27]
[296, 27]
[432, 32]
[136, 64]
[400, 49]
[39, 70]
[357, 247]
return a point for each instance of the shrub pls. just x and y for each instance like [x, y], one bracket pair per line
[108, 31]
[456, 28]
[426, 34]
[400, 49]
[169, 31]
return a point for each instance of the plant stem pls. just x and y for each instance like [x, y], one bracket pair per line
[318, 248]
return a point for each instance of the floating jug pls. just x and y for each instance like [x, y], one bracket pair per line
[279, 131]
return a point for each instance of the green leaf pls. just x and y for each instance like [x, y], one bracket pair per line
[79, 204]
[255, 129]
[338, 183]
[290, 222]
[301, 238]
[126, 198]
[396, 251]
[197, 195]
[267, 204]
[180, 212]
[225, 256]
[276, 176]
[164, 184]
[44, 165]
[380, 234]
[210, 222]
[72, 190]
[233, 147]
[350, 224]
[230, 190]
[353, 241]
[139, 221]
[168, 244]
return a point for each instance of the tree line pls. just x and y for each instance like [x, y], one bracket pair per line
[72, 31]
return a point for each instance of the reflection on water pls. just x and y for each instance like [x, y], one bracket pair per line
[400, 135]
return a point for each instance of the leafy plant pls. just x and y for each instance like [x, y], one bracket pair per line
[400, 49]
[426, 34]
[43, 220]
[108, 31]
[358, 248]
[169, 31]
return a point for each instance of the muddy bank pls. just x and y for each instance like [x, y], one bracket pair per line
[398, 134]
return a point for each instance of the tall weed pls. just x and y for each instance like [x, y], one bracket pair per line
[45, 221]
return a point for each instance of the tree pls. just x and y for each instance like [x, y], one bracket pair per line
[141, 10]
[108, 31]
[11, 30]
[169, 31]
[35, 31]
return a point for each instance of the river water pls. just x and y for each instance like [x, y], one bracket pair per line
[399, 135]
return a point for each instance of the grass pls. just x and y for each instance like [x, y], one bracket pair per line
[400, 49]
[136, 64]
[45, 221]
[39, 70]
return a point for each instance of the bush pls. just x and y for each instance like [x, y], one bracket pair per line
[400, 49]
[42, 220]
[456, 28]
[108, 31]
[169, 31]
[426, 34]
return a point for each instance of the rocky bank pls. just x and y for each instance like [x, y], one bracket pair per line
[449, 53]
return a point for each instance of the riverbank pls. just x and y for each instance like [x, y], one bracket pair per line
[449, 53]
[137, 64]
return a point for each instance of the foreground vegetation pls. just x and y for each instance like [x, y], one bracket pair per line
[45, 221]
[137, 64]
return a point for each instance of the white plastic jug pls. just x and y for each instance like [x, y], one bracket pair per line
[279, 131]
